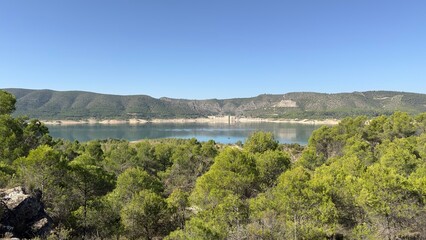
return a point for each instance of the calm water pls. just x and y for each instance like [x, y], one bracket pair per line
[223, 133]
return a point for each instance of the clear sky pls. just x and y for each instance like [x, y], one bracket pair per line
[213, 49]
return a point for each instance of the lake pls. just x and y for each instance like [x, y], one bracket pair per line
[222, 133]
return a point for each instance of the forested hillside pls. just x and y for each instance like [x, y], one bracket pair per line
[362, 179]
[77, 105]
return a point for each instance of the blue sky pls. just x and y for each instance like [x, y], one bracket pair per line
[213, 49]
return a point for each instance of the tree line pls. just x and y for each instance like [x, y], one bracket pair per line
[361, 179]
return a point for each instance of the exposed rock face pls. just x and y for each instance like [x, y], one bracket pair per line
[286, 104]
[22, 214]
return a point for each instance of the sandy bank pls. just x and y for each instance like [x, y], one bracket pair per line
[210, 120]
[296, 121]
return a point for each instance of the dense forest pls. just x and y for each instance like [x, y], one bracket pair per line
[78, 105]
[362, 179]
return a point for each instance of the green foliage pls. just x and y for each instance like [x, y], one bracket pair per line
[233, 172]
[6, 174]
[399, 125]
[318, 150]
[259, 142]
[144, 216]
[7, 102]
[35, 134]
[163, 153]
[88, 182]
[361, 179]
[178, 203]
[270, 165]
[265, 220]
[11, 139]
[421, 123]
[84, 159]
[43, 170]
[401, 155]
[225, 220]
[70, 150]
[307, 212]
[146, 159]
[389, 201]
[18, 136]
[190, 160]
[119, 157]
[199, 228]
[132, 181]
[94, 149]
[39, 168]
[418, 180]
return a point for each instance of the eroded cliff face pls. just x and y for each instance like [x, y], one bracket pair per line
[22, 214]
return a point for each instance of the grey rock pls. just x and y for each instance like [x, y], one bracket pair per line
[23, 214]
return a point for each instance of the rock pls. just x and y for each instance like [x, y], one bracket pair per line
[23, 214]
[286, 104]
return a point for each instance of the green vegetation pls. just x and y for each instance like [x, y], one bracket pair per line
[361, 179]
[47, 105]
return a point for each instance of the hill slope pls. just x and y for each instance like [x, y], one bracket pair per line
[49, 104]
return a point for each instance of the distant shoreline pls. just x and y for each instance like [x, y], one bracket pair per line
[210, 120]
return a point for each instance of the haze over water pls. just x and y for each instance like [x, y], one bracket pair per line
[222, 133]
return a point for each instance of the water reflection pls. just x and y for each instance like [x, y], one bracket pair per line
[223, 133]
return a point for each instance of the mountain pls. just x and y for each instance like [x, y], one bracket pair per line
[49, 104]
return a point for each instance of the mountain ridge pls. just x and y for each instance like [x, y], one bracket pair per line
[76, 105]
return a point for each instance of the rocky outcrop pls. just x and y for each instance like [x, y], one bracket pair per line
[286, 104]
[22, 214]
